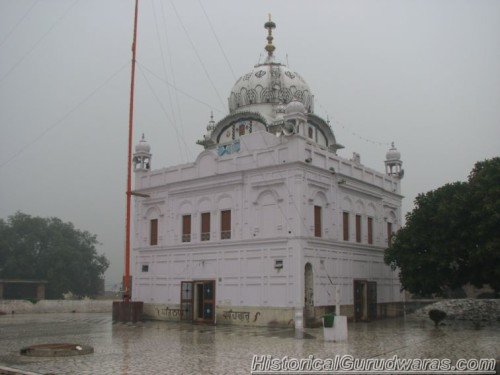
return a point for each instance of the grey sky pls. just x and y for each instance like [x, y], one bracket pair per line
[425, 74]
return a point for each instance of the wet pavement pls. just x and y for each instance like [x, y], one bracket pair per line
[156, 347]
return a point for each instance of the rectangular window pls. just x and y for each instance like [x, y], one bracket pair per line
[205, 226]
[186, 228]
[370, 231]
[345, 217]
[145, 268]
[317, 221]
[225, 224]
[358, 228]
[389, 233]
[153, 232]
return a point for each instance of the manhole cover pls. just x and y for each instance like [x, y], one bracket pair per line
[56, 350]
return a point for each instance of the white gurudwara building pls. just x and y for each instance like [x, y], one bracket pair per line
[268, 226]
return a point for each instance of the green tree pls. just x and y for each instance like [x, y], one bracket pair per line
[451, 236]
[49, 249]
[484, 197]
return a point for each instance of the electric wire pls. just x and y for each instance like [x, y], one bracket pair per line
[349, 130]
[18, 22]
[33, 47]
[170, 54]
[64, 117]
[217, 39]
[178, 89]
[174, 121]
[166, 113]
[197, 54]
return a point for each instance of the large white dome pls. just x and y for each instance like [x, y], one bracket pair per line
[264, 99]
[270, 83]
[269, 86]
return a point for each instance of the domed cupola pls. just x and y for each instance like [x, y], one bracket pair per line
[142, 156]
[270, 98]
[295, 107]
[269, 85]
[295, 117]
[393, 153]
[393, 163]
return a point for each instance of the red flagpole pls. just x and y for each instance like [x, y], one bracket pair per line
[126, 281]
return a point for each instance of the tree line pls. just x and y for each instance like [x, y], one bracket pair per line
[52, 250]
[452, 236]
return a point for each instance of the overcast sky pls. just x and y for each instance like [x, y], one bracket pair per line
[424, 74]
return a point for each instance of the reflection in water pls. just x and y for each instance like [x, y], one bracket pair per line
[169, 347]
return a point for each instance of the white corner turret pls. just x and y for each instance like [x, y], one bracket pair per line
[393, 163]
[210, 126]
[142, 156]
[296, 115]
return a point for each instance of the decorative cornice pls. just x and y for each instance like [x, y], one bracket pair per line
[276, 181]
[154, 201]
[217, 184]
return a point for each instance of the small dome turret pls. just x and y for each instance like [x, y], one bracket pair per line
[295, 106]
[142, 156]
[393, 153]
[143, 146]
[211, 123]
[393, 163]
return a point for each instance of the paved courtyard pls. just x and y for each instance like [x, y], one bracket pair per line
[174, 348]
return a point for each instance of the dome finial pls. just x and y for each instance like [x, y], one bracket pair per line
[270, 25]
[211, 123]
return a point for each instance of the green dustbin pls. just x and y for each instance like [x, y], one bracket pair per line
[328, 320]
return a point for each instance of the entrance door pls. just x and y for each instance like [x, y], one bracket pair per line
[198, 301]
[372, 300]
[359, 300]
[308, 295]
[187, 300]
[365, 300]
[204, 301]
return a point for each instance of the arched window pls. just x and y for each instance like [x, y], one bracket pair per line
[153, 232]
[317, 221]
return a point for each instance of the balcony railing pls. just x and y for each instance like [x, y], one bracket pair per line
[225, 234]
[186, 238]
[205, 236]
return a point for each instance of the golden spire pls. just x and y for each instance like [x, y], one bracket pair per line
[270, 25]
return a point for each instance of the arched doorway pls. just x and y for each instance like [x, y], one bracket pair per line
[308, 295]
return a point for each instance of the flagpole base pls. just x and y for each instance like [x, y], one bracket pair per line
[127, 311]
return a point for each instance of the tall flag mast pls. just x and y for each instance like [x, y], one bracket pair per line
[127, 310]
[126, 277]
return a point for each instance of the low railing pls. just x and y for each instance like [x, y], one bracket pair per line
[186, 238]
[205, 236]
[225, 234]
